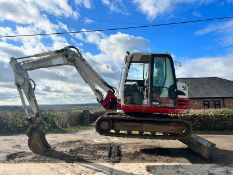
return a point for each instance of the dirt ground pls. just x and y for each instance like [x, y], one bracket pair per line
[86, 152]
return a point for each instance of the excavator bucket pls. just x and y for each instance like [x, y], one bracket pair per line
[37, 141]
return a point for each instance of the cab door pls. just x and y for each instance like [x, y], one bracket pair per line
[163, 84]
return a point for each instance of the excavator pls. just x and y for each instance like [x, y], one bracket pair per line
[147, 104]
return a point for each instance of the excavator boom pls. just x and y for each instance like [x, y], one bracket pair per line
[26, 87]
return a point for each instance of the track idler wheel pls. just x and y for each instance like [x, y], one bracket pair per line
[103, 126]
[37, 141]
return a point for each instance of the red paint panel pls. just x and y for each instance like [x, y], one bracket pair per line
[182, 106]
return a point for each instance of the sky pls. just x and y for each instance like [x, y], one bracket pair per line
[204, 49]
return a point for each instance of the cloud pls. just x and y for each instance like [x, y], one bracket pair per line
[116, 6]
[59, 84]
[154, 8]
[30, 14]
[85, 3]
[57, 8]
[207, 67]
[9, 50]
[27, 11]
[113, 48]
[224, 29]
[5, 31]
[50, 90]
[88, 20]
[197, 14]
[90, 37]
[28, 17]
[64, 84]
[9, 98]
[54, 85]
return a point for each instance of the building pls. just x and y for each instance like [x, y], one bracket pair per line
[209, 92]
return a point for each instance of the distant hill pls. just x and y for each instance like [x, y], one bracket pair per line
[59, 107]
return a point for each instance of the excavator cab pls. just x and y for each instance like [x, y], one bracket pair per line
[149, 83]
[148, 95]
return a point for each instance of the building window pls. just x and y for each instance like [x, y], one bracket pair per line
[206, 104]
[217, 104]
[211, 104]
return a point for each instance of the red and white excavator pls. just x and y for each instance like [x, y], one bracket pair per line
[146, 105]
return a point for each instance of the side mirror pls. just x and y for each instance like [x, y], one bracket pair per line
[172, 93]
[180, 92]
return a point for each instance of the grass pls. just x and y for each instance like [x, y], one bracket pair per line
[68, 129]
[76, 128]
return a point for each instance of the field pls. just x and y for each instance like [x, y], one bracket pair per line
[86, 152]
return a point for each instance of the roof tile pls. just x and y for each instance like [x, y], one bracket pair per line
[208, 87]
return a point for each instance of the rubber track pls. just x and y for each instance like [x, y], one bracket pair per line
[120, 116]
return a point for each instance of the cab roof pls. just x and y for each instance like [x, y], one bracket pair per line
[144, 57]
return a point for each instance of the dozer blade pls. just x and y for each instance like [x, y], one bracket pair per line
[37, 141]
[200, 146]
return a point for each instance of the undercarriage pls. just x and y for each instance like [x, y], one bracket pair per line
[154, 126]
[148, 126]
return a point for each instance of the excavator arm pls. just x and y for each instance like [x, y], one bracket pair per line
[26, 87]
